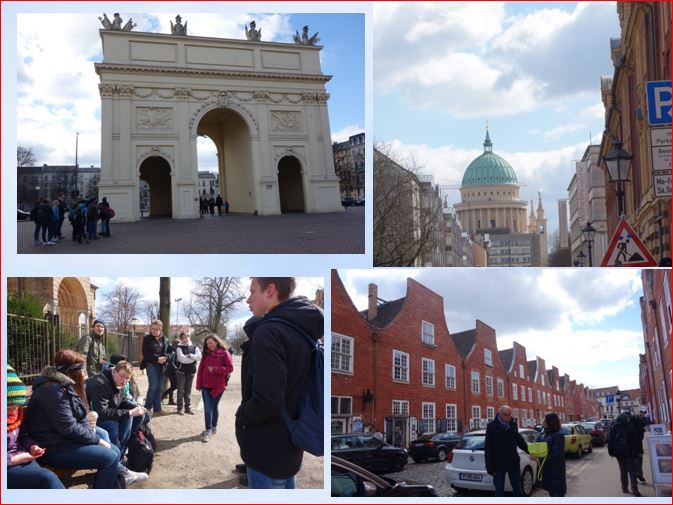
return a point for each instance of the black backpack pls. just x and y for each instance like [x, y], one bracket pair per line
[620, 444]
[140, 456]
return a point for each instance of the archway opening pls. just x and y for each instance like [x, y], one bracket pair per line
[232, 162]
[290, 186]
[156, 172]
[72, 301]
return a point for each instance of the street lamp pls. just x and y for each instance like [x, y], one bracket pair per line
[580, 258]
[75, 192]
[177, 311]
[618, 162]
[588, 233]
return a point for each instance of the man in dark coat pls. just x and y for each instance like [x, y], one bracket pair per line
[273, 374]
[625, 445]
[640, 422]
[502, 439]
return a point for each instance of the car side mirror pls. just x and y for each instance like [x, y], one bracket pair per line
[369, 488]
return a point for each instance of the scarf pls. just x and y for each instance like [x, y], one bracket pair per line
[14, 420]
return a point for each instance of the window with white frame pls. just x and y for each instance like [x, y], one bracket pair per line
[521, 374]
[428, 419]
[667, 294]
[488, 381]
[530, 414]
[342, 353]
[501, 388]
[428, 371]
[523, 393]
[664, 323]
[476, 389]
[450, 376]
[539, 396]
[400, 366]
[342, 405]
[475, 420]
[488, 357]
[542, 379]
[515, 392]
[427, 333]
[451, 417]
[515, 414]
[490, 413]
[400, 408]
[530, 395]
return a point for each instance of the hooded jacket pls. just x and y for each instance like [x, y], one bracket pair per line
[217, 380]
[274, 370]
[107, 399]
[56, 416]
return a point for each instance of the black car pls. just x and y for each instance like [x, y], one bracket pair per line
[367, 451]
[349, 201]
[433, 446]
[348, 479]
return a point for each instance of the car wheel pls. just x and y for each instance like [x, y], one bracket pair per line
[527, 481]
[441, 455]
[398, 464]
[579, 452]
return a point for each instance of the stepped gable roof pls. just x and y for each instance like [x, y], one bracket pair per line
[464, 341]
[507, 357]
[532, 367]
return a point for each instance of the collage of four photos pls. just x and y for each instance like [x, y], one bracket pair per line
[462, 207]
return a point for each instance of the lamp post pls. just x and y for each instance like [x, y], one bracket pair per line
[580, 258]
[177, 311]
[588, 233]
[618, 162]
[75, 192]
[618, 397]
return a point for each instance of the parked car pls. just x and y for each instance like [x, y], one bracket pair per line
[349, 201]
[578, 441]
[466, 465]
[433, 446]
[22, 215]
[605, 423]
[361, 203]
[599, 436]
[367, 451]
[349, 479]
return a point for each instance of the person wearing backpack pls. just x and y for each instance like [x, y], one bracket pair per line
[187, 355]
[104, 213]
[211, 379]
[624, 444]
[274, 373]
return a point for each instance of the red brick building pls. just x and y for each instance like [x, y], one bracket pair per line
[520, 385]
[541, 390]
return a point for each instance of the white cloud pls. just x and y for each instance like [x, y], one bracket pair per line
[343, 134]
[558, 132]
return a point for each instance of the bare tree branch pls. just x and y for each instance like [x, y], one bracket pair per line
[120, 307]
[213, 298]
[24, 157]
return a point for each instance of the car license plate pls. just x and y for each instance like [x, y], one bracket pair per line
[418, 444]
[475, 477]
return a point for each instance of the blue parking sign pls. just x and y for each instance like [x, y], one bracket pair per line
[659, 102]
[609, 399]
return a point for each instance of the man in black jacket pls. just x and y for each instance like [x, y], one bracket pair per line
[273, 374]
[624, 444]
[502, 439]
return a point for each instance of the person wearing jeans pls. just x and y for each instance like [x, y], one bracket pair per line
[155, 355]
[259, 480]
[211, 379]
[187, 355]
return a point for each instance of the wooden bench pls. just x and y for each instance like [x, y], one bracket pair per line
[71, 477]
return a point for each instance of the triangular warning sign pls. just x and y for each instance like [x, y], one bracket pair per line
[626, 249]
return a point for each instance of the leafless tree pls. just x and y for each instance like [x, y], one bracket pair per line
[151, 308]
[236, 337]
[165, 302]
[212, 299]
[404, 233]
[24, 157]
[120, 307]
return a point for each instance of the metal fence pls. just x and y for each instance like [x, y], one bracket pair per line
[32, 343]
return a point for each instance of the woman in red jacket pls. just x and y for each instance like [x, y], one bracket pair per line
[211, 380]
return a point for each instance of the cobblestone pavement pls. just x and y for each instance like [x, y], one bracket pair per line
[329, 233]
[595, 474]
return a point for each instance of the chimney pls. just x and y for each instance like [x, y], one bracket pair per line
[373, 304]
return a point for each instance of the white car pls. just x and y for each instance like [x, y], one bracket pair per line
[466, 467]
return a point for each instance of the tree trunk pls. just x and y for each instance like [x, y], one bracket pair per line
[165, 304]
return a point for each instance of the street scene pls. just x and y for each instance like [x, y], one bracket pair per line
[500, 147]
[581, 360]
[242, 117]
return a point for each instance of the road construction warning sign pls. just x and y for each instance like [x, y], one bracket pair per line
[627, 250]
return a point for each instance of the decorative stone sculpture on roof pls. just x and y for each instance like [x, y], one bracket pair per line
[116, 23]
[304, 39]
[178, 28]
[253, 33]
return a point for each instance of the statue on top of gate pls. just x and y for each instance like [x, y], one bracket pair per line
[304, 39]
[178, 28]
[253, 33]
[116, 23]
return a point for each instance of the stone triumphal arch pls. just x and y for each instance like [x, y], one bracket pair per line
[263, 104]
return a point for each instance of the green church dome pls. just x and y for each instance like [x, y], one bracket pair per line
[489, 169]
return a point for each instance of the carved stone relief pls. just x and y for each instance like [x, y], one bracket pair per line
[286, 120]
[154, 117]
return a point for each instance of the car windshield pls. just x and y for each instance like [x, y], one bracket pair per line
[566, 430]
[446, 436]
[589, 426]
[472, 442]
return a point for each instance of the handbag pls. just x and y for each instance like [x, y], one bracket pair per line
[538, 449]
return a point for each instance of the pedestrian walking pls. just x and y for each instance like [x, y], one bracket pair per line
[502, 458]
[641, 421]
[92, 346]
[554, 465]
[155, 356]
[274, 373]
[624, 444]
[211, 205]
[211, 379]
[218, 204]
[188, 355]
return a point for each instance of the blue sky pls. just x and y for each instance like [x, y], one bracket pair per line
[586, 323]
[58, 87]
[530, 69]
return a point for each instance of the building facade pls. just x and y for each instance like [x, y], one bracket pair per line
[349, 165]
[563, 231]
[49, 181]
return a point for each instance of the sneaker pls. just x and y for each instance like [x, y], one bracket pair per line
[189, 411]
[213, 430]
[132, 477]
[641, 478]
[205, 436]
[50, 242]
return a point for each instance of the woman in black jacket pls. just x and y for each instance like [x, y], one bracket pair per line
[554, 466]
[155, 355]
[57, 418]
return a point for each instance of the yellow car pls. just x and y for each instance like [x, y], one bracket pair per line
[578, 440]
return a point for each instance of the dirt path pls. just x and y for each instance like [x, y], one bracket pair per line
[183, 461]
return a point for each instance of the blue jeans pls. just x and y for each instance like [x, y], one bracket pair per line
[210, 408]
[154, 378]
[32, 476]
[259, 480]
[88, 456]
[514, 479]
[36, 234]
[91, 229]
[120, 430]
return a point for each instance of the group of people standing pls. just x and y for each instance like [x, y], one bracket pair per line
[83, 216]
[208, 206]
